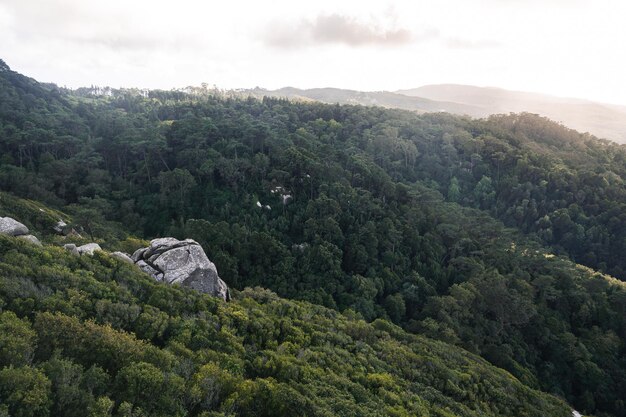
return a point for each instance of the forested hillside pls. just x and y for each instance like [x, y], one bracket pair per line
[84, 336]
[383, 214]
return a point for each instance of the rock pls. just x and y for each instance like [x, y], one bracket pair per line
[122, 257]
[30, 238]
[158, 246]
[72, 249]
[138, 254]
[181, 262]
[72, 233]
[88, 249]
[150, 270]
[12, 227]
[59, 226]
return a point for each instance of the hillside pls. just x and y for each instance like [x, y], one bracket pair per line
[602, 120]
[454, 229]
[372, 98]
[94, 335]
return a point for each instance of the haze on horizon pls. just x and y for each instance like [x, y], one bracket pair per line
[570, 48]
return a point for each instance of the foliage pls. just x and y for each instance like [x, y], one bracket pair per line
[365, 230]
[259, 355]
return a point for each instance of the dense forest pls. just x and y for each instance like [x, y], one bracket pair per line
[95, 337]
[466, 231]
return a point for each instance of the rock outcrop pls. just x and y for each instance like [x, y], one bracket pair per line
[60, 226]
[167, 259]
[72, 248]
[181, 262]
[12, 227]
[87, 249]
[122, 257]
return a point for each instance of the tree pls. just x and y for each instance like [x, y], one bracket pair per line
[454, 190]
[140, 383]
[484, 193]
[25, 391]
[16, 340]
[175, 187]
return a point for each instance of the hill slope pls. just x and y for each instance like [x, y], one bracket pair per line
[386, 213]
[371, 98]
[95, 335]
[602, 120]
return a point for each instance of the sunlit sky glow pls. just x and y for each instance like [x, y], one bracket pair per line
[573, 48]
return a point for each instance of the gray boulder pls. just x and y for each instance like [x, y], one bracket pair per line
[138, 254]
[71, 248]
[30, 238]
[88, 249]
[122, 257]
[148, 269]
[59, 226]
[12, 227]
[181, 262]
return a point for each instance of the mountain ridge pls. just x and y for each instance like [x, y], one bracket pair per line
[600, 119]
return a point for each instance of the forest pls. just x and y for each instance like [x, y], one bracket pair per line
[451, 244]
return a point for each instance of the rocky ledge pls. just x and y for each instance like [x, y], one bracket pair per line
[167, 259]
[181, 262]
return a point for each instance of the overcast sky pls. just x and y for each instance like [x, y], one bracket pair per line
[574, 48]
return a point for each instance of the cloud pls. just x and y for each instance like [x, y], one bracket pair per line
[337, 29]
[85, 24]
[341, 29]
[459, 43]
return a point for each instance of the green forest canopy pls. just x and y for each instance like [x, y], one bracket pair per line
[391, 215]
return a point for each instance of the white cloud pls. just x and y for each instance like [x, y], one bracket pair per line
[335, 28]
[571, 48]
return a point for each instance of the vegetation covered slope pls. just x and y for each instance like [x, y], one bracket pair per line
[84, 336]
[366, 227]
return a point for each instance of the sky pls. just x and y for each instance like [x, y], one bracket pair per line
[571, 48]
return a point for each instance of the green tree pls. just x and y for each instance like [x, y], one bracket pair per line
[25, 391]
[484, 193]
[141, 384]
[454, 190]
[175, 187]
[16, 340]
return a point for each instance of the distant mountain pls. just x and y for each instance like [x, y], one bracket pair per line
[602, 120]
[370, 98]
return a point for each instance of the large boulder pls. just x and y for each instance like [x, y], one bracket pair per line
[30, 238]
[122, 257]
[12, 227]
[87, 249]
[70, 247]
[181, 262]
